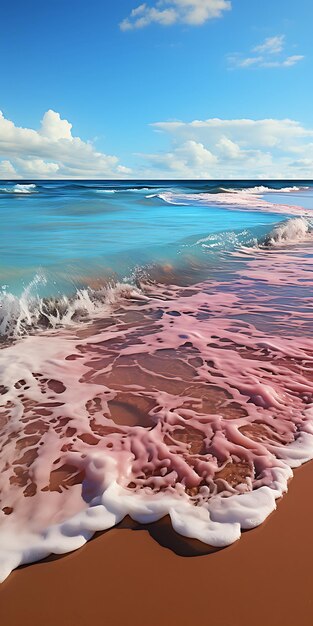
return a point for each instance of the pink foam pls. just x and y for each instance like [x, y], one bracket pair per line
[196, 403]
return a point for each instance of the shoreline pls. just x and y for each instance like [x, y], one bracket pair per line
[125, 576]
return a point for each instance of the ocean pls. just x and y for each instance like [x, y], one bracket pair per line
[156, 357]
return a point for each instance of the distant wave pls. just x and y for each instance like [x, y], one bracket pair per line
[262, 189]
[131, 189]
[155, 190]
[19, 189]
[89, 186]
[239, 199]
[105, 190]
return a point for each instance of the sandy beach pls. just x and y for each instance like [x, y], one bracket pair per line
[127, 576]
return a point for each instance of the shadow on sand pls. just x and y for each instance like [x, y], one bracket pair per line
[162, 532]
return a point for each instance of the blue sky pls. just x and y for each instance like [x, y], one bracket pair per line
[113, 74]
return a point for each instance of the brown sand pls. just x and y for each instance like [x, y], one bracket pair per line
[129, 576]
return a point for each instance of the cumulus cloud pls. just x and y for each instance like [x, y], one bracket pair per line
[168, 12]
[32, 168]
[7, 170]
[219, 148]
[182, 161]
[211, 148]
[52, 151]
[263, 132]
[269, 53]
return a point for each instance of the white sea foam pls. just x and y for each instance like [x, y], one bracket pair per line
[288, 231]
[106, 190]
[28, 188]
[23, 315]
[239, 200]
[27, 539]
[218, 525]
[131, 189]
[138, 189]
[261, 189]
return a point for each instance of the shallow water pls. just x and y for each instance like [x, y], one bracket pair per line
[69, 232]
[185, 389]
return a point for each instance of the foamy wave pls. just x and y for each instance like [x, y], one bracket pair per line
[262, 189]
[254, 190]
[19, 189]
[28, 313]
[289, 231]
[218, 425]
[105, 190]
[138, 189]
[238, 200]
[131, 189]
[292, 230]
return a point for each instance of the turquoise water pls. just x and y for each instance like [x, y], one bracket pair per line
[72, 232]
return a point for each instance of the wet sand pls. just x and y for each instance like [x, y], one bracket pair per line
[141, 578]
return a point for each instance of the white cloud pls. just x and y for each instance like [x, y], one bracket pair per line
[219, 148]
[263, 133]
[228, 148]
[271, 45]
[7, 170]
[288, 62]
[52, 151]
[185, 159]
[211, 148]
[168, 12]
[270, 53]
[31, 168]
[54, 128]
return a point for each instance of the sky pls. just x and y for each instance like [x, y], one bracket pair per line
[207, 89]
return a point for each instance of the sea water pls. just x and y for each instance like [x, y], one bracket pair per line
[156, 357]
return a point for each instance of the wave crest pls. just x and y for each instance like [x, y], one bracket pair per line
[28, 313]
[239, 200]
[18, 188]
[288, 231]
[260, 189]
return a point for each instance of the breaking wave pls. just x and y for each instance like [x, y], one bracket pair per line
[289, 231]
[22, 189]
[25, 314]
[106, 190]
[261, 189]
[185, 389]
[155, 189]
[183, 406]
[30, 312]
[240, 199]
[131, 189]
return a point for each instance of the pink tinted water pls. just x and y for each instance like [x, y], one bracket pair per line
[195, 403]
